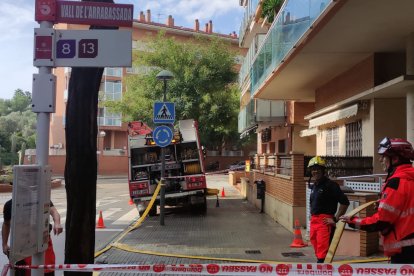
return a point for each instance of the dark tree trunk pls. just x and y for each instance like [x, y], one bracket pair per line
[81, 165]
[81, 162]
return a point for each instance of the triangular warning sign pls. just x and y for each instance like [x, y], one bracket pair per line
[164, 113]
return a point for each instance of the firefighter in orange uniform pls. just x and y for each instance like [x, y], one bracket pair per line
[395, 214]
[324, 200]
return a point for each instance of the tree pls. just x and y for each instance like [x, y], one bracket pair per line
[81, 163]
[202, 89]
[270, 8]
[17, 126]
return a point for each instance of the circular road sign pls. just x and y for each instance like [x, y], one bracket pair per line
[162, 136]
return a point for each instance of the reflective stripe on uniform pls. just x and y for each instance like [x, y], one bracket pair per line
[398, 244]
[389, 208]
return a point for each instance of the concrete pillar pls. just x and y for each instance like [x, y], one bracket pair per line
[410, 93]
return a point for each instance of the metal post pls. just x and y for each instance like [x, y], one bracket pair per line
[42, 150]
[162, 192]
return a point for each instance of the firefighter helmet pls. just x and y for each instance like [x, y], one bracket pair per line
[317, 161]
[396, 147]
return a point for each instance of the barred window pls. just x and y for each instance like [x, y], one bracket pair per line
[354, 139]
[332, 141]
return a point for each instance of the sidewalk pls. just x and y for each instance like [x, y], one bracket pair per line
[234, 230]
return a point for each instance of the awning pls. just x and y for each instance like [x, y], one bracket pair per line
[334, 116]
[248, 130]
[308, 132]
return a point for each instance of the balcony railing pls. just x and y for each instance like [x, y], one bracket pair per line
[337, 166]
[246, 117]
[107, 121]
[340, 166]
[292, 21]
[247, 18]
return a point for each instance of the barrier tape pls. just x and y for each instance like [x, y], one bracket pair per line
[239, 269]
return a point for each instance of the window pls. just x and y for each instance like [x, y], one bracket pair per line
[113, 90]
[354, 139]
[106, 118]
[113, 72]
[281, 146]
[332, 141]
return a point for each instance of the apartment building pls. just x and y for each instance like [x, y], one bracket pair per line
[112, 139]
[344, 70]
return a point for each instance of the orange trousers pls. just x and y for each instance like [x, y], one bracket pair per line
[320, 235]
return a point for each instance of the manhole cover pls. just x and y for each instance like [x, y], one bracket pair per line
[253, 252]
[292, 254]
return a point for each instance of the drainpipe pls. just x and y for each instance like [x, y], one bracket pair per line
[410, 92]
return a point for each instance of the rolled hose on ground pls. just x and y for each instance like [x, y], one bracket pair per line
[124, 247]
[135, 225]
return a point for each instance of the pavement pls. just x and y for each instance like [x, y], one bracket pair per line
[234, 231]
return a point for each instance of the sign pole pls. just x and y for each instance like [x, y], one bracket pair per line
[162, 193]
[42, 146]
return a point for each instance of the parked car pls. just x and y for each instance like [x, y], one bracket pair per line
[238, 166]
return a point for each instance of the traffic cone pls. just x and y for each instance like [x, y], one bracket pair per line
[223, 194]
[130, 201]
[297, 240]
[100, 221]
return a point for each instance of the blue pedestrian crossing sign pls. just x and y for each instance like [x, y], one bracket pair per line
[164, 113]
[162, 136]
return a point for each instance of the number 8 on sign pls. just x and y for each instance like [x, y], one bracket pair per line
[88, 48]
[66, 48]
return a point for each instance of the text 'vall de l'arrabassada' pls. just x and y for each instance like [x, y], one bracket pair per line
[95, 13]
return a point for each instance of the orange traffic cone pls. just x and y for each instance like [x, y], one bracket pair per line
[223, 194]
[130, 201]
[297, 240]
[100, 221]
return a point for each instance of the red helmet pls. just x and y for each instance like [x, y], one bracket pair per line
[396, 146]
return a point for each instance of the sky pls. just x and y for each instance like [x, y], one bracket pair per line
[17, 24]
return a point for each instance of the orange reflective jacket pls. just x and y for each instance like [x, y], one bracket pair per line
[395, 215]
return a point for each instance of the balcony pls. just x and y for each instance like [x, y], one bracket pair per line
[251, 24]
[246, 117]
[108, 121]
[270, 111]
[291, 23]
[315, 44]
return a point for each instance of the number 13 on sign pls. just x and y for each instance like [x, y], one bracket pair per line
[87, 48]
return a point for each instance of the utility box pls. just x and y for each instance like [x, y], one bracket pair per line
[261, 188]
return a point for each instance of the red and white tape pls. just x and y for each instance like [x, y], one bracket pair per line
[239, 269]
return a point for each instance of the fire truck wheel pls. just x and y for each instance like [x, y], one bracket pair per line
[202, 207]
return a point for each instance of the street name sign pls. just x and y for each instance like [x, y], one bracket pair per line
[164, 113]
[162, 136]
[89, 13]
[82, 48]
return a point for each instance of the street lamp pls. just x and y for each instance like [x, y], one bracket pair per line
[101, 135]
[165, 76]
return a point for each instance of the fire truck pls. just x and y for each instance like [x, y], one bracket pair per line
[184, 167]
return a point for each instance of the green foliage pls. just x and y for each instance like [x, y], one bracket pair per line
[17, 126]
[202, 89]
[270, 8]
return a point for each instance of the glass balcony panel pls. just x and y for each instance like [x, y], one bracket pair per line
[268, 110]
[247, 17]
[295, 17]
